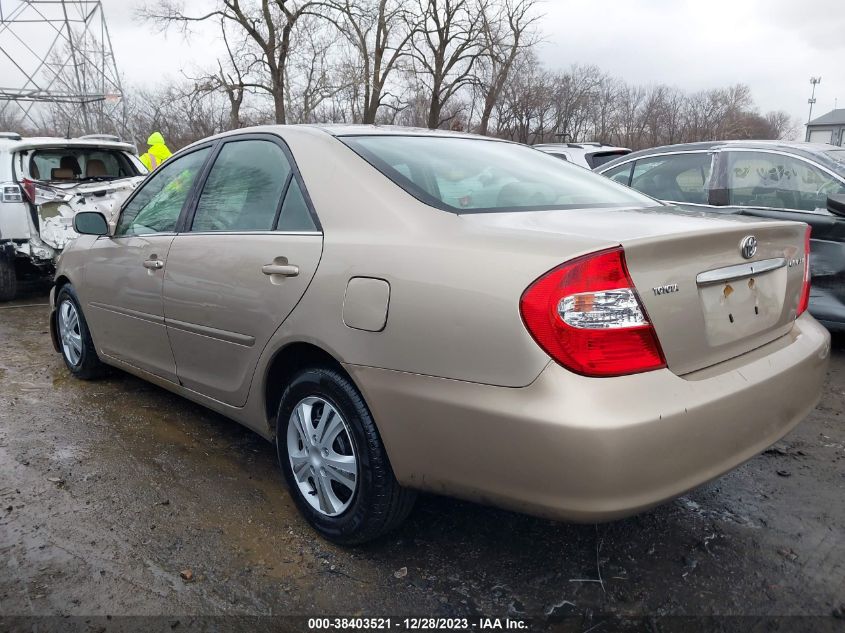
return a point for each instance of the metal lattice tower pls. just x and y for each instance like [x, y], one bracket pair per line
[56, 59]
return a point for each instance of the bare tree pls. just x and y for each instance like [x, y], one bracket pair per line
[781, 125]
[507, 31]
[232, 76]
[268, 24]
[311, 75]
[445, 50]
[379, 32]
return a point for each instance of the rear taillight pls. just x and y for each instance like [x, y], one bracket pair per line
[804, 302]
[37, 193]
[10, 192]
[587, 316]
[28, 187]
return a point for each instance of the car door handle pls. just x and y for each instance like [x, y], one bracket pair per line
[153, 264]
[286, 270]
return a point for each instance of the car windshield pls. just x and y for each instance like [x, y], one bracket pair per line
[465, 175]
[838, 157]
[74, 164]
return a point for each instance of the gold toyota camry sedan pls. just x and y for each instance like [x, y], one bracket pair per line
[402, 310]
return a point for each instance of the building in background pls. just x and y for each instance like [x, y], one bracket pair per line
[829, 128]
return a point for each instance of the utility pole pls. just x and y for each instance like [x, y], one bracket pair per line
[812, 100]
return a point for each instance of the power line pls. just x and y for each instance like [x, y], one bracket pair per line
[60, 62]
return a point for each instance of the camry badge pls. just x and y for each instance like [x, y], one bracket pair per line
[748, 246]
[665, 290]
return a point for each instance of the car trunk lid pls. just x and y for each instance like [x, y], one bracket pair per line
[707, 301]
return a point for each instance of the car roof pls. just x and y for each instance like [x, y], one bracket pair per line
[35, 142]
[808, 150]
[585, 147]
[344, 130]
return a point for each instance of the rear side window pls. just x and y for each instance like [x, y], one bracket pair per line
[244, 188]
[466, 175]
[777, 181]
[295, 214]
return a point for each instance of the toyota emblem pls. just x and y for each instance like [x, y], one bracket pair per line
[748, 246]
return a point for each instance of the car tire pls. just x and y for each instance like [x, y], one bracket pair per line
[8, 279]
[378, 503]
[75, 343]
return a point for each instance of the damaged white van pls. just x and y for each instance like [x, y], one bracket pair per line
[44, 182]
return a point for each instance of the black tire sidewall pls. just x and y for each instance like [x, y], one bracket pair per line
[8, 279]
[67, 293]
[342, 395]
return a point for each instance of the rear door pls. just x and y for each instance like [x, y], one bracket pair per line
[781, 186]
[124, 273]
[245, 258]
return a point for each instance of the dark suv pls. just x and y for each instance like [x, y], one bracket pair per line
[770, 179]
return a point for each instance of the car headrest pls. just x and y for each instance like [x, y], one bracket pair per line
[70, 162]
[94, 168]
[61, 174]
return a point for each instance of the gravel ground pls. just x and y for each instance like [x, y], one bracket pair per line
[111, 489]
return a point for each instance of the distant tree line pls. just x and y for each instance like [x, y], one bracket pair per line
[467, 65]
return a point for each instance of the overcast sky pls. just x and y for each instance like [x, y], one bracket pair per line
[772, 45]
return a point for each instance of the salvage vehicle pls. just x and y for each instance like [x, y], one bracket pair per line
[403, 310]
[44, 183]
[589, 155]
[765, 179]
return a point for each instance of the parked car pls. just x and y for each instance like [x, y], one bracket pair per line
[764, 179]
[589, 155]
[406, 310]
[44, 182]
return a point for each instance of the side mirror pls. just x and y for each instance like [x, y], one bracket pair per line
[90, 223]
[836, 204]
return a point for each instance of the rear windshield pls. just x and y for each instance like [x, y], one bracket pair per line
[601, 158]
[79, 163]
[463, 175]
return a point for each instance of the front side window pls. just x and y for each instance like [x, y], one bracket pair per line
[465, 175]
[778, 181]
[244, 188]
[683, 178]
[157, 205]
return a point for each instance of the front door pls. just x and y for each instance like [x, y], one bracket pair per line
[125, 273]
[237, 273]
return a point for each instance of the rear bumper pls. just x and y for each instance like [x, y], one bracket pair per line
[586, 449]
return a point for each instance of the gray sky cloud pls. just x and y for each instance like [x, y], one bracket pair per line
[772, 45]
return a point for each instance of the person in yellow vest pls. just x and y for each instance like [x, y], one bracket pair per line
[158, 152]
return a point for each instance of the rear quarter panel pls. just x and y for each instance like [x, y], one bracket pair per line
[454, 293]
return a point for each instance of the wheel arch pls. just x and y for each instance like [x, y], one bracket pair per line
[284, 364]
